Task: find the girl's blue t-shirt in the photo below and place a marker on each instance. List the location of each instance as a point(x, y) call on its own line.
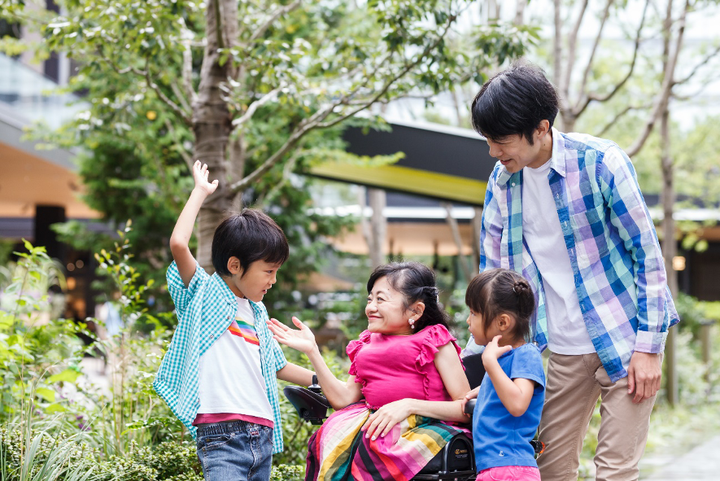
point(501, 439)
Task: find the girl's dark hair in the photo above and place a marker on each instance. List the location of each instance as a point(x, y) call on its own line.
point(416, 282)
point(502, 291)
point(514, 102)
point(250, 236)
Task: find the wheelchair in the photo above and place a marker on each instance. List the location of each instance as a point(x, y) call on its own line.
point(456, 461)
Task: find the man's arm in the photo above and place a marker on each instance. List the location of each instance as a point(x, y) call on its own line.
point(629, 215)
point(491, 227)
point(180, 238)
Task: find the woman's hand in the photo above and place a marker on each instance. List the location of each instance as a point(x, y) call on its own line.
point(200, 174)
point(301, 339)
point(381, 422)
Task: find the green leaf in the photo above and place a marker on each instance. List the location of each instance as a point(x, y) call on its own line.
point(68, 375)
point(55, 408)
point(45, 393)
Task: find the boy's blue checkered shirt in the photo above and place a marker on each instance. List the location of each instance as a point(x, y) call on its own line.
point(204, 310)
point(611, 240)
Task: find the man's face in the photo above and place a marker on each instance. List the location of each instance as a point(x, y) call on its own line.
point(515, 152)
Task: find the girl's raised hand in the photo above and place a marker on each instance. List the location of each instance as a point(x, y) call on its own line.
point(200, 174)
point(301, 339)
point(493, 350)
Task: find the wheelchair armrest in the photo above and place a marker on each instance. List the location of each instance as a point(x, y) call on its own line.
point(310, 406)
point(469, 408)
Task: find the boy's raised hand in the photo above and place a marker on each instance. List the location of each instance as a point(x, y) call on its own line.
point(301, 339)
point(200, 174)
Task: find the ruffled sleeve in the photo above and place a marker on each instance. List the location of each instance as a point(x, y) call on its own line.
point(354, 347)
point(435, 337)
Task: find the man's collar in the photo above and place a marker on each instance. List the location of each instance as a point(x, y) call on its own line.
point(557, 161)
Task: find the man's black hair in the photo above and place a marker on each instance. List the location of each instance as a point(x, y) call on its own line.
point(250, 236)
point(514, 102)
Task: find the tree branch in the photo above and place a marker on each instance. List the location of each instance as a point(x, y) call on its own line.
point(572, 46)
point(604, 98)
point(178, 110)
point(699, 66)
point(593, 51)
point(619, 115)
point(255, 105)
point(274, 16)
point(666, 89)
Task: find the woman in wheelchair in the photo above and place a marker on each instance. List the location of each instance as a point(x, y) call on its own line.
point(510, 399)
point(405, 374)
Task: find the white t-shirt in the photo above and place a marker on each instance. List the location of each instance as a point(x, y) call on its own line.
point(230, 378)
point(567, 333)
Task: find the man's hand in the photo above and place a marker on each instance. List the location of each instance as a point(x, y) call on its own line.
point(644, 376)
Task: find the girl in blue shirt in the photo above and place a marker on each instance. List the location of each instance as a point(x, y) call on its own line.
point(510, 398)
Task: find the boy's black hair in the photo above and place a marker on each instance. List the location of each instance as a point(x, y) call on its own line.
point(416, 282)
point(514, 102)
point(502, 291)
point(250, 236)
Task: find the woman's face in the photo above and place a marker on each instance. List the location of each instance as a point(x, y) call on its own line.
point(386, 310)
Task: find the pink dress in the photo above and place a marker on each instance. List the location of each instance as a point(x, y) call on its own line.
point(389, 368)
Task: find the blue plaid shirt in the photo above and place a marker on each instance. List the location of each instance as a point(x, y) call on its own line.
point(205, 309)
point(614, 251)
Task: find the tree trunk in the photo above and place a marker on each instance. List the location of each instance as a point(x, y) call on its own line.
point(455, 230)
point(211, 121)
point(669, 244)
point(476, 228)
point(378, 226)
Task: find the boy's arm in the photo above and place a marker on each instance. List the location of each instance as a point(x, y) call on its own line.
point(180, 238)
point(296, 374)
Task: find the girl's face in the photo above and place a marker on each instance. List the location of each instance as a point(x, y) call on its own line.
point(386, 311)
point(477, 329)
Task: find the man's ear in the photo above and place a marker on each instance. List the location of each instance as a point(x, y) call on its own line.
point(542, 128)
point(233, 265)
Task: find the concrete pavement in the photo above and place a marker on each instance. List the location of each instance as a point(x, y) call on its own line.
point(702, 463)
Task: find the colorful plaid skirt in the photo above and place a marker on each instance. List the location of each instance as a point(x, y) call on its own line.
point(339, 450)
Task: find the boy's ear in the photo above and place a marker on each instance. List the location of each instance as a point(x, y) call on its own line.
point(233, 265)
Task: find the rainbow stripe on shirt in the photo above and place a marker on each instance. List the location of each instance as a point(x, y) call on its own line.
point(245, 330)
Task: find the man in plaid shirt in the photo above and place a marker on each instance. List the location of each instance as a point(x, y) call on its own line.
point(565, 210)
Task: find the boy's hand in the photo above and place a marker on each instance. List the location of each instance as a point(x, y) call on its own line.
point(301, 339)
point(493, 350)
point(200, 174)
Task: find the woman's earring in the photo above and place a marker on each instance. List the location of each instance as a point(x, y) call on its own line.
point(411, 321)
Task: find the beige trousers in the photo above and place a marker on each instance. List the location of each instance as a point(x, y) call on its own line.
point(574, 384)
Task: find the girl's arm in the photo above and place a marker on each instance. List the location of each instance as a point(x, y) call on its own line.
point(515, 394)
point(451, 371)
point(339, 394)
point(180, 238)
point(295, 374)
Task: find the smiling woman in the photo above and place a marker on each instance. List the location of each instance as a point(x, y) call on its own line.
point(388, 419)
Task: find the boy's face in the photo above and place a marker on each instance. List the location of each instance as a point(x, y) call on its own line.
point(256, 282)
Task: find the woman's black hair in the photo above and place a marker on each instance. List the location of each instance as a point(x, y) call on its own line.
point(416, 282)
point(502, 291)
point(514, 102)
point(250, 236)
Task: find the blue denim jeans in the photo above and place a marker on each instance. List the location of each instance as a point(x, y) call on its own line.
point(235, 450)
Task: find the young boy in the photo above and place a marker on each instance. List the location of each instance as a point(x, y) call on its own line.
point(218, 376)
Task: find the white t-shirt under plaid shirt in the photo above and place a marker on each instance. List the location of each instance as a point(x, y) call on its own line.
point(205, 309)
